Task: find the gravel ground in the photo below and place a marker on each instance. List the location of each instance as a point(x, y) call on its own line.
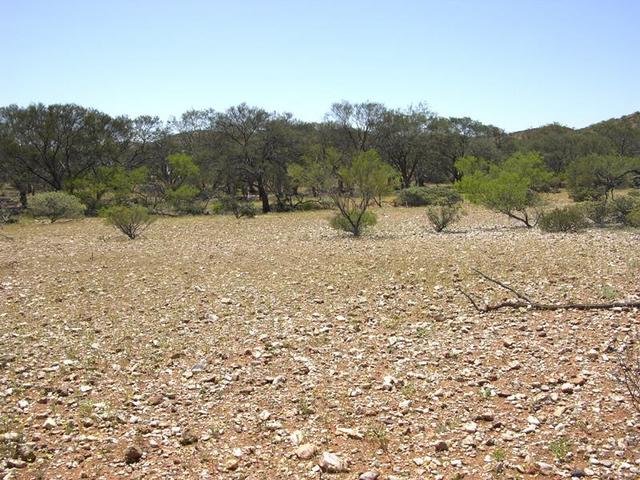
point(277, 348)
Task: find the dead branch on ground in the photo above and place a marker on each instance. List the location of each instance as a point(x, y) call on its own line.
point(524, 301)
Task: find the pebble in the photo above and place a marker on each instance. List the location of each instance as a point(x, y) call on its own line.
point(332, 463)
point(132, 454)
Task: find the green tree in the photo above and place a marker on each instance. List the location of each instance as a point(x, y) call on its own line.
point(510, 188)
point(104, 185)
point(595, 177)
point(367, 178)
point(401, 139)
point(181, 175)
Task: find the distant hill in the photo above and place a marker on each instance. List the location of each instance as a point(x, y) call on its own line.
point(633, 119)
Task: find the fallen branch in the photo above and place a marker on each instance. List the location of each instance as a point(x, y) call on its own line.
point(526, 302)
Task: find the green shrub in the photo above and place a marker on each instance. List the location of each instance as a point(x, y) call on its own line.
point(228, 204)
point(245, 209)
point(426, 196)
point(7, 216)
point(565, 219)
point(633, 217)
point(586, 194)
point(354, 221)
point(184, 199)
point(309, 205)
point(131, 221)
point(598, 212)
point(441, 216)
point(621, 207)
point(56, 205)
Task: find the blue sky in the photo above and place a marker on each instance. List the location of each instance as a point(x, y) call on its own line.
point(515, 64)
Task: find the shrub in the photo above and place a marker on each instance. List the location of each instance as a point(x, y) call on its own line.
point(131, 221)
point(309, 205)
point(441, 216)
point(184, 198)
point(366, 180)
point(633, 218)
point(228, 204)
point(566, 219)
point(510, 188)
point(354, 221)
point(245, 209)
point(426, 196)
point(6, 216)
point(597, 212)
point(56, 205)
point(621, 208)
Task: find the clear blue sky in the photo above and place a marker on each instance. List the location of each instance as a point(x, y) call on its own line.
point(513, 63)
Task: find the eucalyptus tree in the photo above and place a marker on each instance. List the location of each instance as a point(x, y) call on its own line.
point(356, 124)
point(401, 139)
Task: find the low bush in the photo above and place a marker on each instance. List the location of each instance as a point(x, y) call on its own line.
point(426, 196)
point(598, 212)
point(354, 221)
point(309, 205)
point(130, 220)
point(245, 209)
point(228, 204)
point(565, 219)
point(621, 208)
point(633, 217)
point(56, 205)
point(442, 216)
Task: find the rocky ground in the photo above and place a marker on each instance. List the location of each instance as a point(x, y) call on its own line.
point(277, 348)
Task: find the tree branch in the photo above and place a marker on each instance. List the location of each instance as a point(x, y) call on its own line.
point(526, 302)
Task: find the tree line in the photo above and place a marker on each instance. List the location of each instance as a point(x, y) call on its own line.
point(245, 151)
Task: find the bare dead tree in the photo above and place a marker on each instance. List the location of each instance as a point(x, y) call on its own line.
point(523, 301)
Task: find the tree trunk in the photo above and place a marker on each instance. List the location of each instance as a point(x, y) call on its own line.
point(264, 197)
point(23, 198)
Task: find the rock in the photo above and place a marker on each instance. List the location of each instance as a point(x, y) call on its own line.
point(264, 415)
point(567, 388)
point(132, 454)
point(441, 446)
point(155, 400)
point(25, 453)
point(577, 473)
point(389, 382)
point(371, 475)
point(16, 463)
point(188, 438)
point(11, 437)
point(484, 417)
point(545, 468)
point(232, 464)
point(296, 438)
point(350, 432)
point(49, 423)
point(87, 422)
point(470, 427)
point(306, 451)
point(332, 463)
